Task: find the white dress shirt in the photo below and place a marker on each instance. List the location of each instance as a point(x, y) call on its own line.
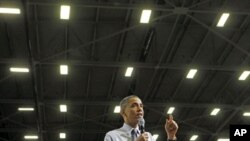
point(123, 134)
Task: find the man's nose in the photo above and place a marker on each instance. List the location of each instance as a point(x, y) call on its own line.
point(140, 108)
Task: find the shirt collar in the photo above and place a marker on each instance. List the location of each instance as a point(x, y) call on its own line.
point(128, 128)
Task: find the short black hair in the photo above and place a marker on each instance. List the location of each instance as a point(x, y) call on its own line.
point(124, 102)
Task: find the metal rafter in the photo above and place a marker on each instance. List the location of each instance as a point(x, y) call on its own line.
point(123, 6)
point(180, 82)
point(169, 58)
point(37, 39)
point(65, 80)
point(162, 57)
point(196, 96)
point(12, 54)
point(169, 3)
point(103, 38)
point(199, 3)
point(117, 58)
point(144, 65)
point(92, 53)
point(227, 120)
point(230, 80)
point(243, 50)
point(102, 102)
point(195, 56)
point(245, 60)
point(204, 83)
point(33, 73)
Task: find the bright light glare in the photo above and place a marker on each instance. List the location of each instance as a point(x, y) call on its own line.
point(117, 109)
point(62, 135)
point(63, 108)
point(244, 75)
point(25, 109)
point(22, 70)
point(145, 16)
point(194, 137)
point(63, 69)
point(191, 73)
point(10, 10)
point(223, 139)
point(223, 19)
point(170, 110)
point(246, 114)
point(65, 11)
point(129, 71)
point(30, 137)
point(215, 111)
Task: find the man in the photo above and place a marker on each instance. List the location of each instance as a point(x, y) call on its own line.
point(132, 111)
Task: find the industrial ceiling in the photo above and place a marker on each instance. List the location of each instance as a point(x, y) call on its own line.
point(98, 42)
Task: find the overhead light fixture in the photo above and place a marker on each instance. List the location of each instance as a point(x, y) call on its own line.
point(145, 16)
point(21, 70)
point(244, 75)
point(246, 114)
point(63, 108)
point(129, 72)
point(170, 110)
point(215, 111)
point(117, 109)
point(62, 135)
point(25, 109)
point(30, 137)
point(10, 10)
point(65, 12)
point(223, 139)
point(155, 136)
point(194, 137)
point(191, 73)
point(64, 69)
point(223, 19)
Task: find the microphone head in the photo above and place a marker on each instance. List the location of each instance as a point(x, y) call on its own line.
point(141, 122)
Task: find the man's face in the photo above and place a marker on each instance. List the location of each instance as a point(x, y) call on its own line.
point(133, 111)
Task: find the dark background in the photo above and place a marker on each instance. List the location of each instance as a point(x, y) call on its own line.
point(99, 41)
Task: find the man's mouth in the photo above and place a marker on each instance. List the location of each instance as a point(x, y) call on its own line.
point(139, 115)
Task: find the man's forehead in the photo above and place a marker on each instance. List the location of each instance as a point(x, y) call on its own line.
point(135, 100)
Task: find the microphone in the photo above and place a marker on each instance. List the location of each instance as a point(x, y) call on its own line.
point(141, 124)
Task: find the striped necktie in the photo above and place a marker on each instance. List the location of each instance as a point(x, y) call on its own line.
point(133, 134)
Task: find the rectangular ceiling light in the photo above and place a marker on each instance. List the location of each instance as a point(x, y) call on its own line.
point(30, 137)
point(244, 75)
point(246, 114)
point(10, 10)
point(194, 137)
point(222, 139)
point(145, 16)
point(155, 136)
point(223, 19)
point(62, 135)
point(191, 73)
point(129, 72)
point(170, 110)
point(64, 69)
point(25, 109)
point(21, 70)
point(65, 12)
point(117, 109)
point(63, 108)
point(215, 112)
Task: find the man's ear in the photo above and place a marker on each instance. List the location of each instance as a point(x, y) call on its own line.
point(123, 113)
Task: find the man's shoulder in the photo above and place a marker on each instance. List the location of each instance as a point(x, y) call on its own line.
point(116, 131)
point(116, 135)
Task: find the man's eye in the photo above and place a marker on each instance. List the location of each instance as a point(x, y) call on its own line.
point(132, 106)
